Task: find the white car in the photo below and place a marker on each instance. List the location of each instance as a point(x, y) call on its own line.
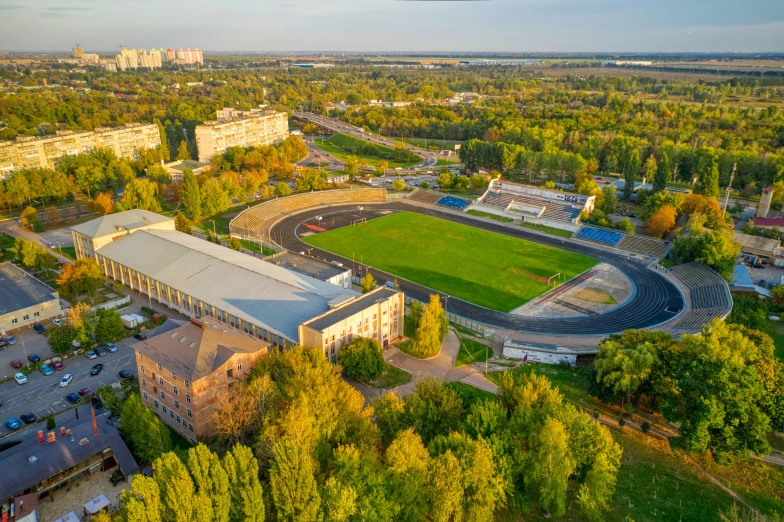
point(57, 322)
point(20, 378)
point(66, 380)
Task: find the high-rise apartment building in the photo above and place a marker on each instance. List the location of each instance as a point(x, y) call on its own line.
point(190, 56)
point(240, 128)
point(171, 55)
point(28, 152)
point(133, 59)
point(78, 52)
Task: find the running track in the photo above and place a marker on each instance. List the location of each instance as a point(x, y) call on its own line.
point(655, 301)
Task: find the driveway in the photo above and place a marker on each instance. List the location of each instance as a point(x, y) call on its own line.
point(59, 236)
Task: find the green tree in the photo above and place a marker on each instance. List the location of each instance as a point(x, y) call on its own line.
point(211, 480)
point(709, 172)
point(140, 193)
point(191, 195)
point(142, 502)
point(282, 189)
point(108, 327)
point(182, 223)
point(293, 483)
point(351, 165)
point(431, 329)
point(362, 358)
point(164, 145)
point(182, 151)
point(610, 199)
point(408, 465)
point(433, 409)
point(234, 244)
point(551, 466)
point(242, 468)
point(310, 179)
point(28, 217)
point(383, 166)
point(649, 169)
point(663, 173)
point(624, 369)
point(631, 166)
point(399, 185)
point(214, 199)
point(147, 435)
point(60, 338)
point(179, 499)
point(368, 283)
point(339, 500)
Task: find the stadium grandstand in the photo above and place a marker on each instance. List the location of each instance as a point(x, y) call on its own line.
point(453, 202)
point(249, 222)
point(643, 245)
point(710, 296)
point(598, 235)
point(425, 196)
point(535, 204)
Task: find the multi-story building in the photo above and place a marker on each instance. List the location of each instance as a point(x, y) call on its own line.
point(31, 152)
point(170, 55)
point(183, 372)
point(92, 235)
point(25, 300)
point(190, 56)
point(263, 128)
point(133, 59)
point(334, 273)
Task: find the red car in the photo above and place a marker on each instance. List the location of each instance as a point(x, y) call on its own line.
point(16, 363)
point(57, 365)
point(86, 391)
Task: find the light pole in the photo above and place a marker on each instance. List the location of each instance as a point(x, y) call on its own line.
point(360, 211)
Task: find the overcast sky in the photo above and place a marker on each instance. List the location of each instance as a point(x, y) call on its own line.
point(395, 25)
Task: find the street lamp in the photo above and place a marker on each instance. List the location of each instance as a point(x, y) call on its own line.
point(360, 211)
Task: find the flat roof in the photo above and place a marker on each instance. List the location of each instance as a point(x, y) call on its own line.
point(244, 286)
point(309, 266)
point(757, 242)
point(337, 315)
point(20, 290)
point(111, 223)
point(50, 459)
point(768, 222)
point(184, 164)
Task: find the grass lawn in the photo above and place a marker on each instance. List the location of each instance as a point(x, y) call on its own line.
point(221, 223)
point(6, 241)
point(479, 213)
point(549, 230)
point(69, 252)
point(472, 351)
point(391, 377)
point(492, 270)
point(432, 145)
point(341, 145)
point(776, 332)
point(446, 163)
point(470, 394)
point(254, 247)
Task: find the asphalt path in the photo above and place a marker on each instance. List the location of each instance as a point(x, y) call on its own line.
point(42, 394)
point(656, 300)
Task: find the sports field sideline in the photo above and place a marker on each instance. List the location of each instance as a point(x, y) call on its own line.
point(485, 268)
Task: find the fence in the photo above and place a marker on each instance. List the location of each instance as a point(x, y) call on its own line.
point(114, 303)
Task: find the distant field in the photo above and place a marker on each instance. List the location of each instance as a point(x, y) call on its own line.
point(342, 145)
point(492, 270)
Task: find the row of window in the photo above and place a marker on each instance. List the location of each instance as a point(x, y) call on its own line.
point(163, 395)
point(172, 415)
point(25, 317)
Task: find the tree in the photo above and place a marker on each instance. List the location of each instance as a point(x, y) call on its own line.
point(234, 244)
point(310, 179)
point(28, 217)
point(142, 502)
point(83, 277)
point(363, 358)
point(60, 338)
point(242, 468)
point(108, 327)
point(182, 151)
point(146, 434)
point(408, 465)
point(715, 248)
point(383, 166)
point(293, 483)
point(191, 195)
point(433, 409)
point(240, 412)
point(661, 222)
point(663, 173)
point(399, 185)
point(179, 498)
point(368, 283)
point(140, 193)
point(211, 481)
point(282, 189)
point(424, 185)
point(214, 199)
point(624, 369)
point(610, 199)
point(27, 252)
point(649, 169)
point(103, 204)
point(351, 165)
point(709, 172)
point(164, 144)
point(431, 329)
point(182, 223)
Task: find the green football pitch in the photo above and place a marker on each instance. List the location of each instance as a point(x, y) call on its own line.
point(488, 269)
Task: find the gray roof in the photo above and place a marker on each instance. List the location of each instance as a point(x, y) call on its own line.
point(354, 307)
point(19, 473)
point(20, 290)
point(309, 266)
point(244, 286)
point(111, 223)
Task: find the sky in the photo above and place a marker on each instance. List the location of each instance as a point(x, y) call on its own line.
point(395, 25)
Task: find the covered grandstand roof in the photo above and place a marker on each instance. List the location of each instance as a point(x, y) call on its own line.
point(244, 286)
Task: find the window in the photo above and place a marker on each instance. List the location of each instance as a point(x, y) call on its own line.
point(177, 404)
point(239, 367)
point(190, 427)
point(174, 377)
point(160, 381)
point(190, 414)
point(36, 314)
point(141, 355)
point(188, 399)
point(171, 413)
point(141, 369)
point(13, 321)
point(145, 395)
point(178, 419)
point(156, 403)
point(144, 382)
point(26, 317)
point(159, 366)
point(164, 409)
point(175, 390)
point(187, 384)
point(163, 396)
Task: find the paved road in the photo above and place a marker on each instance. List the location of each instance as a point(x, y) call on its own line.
point(656, 300)
point(42, 394)
point(13, 229)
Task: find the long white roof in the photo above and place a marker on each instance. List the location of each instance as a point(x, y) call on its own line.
point(111, 223)
point(244, 286)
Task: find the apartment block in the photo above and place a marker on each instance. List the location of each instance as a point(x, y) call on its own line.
point(185, 371)
point(190, 56)
point(254, 129)
point(28, 152)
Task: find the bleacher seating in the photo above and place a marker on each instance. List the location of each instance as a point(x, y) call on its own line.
point(647, 246)
point(249, 221)
point(533, 206)
point(453, 202)
point(710, 295)
point(425, 196)
point(597, 235)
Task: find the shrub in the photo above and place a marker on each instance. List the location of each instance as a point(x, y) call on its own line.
point(50, 423)
point(646, 427)
point(362, 359)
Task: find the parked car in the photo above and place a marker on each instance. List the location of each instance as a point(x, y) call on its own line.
point(33, 358)
point(13, 424)
point(111, 347)
point(772, 286)
point(20, 378)
point(86, 391)
point(762, 282)
point(73, 398)
point(140, 335)
point(11, 340)
point(57, 322)
point(96, 402)
point(95, 370)
point(29, 418)
point(39, 328)
point(125, 374)
point(3, 343)
point(46, 369)
point(66, 380)
point(90, 354)
point(58, 365)
point(101, 352)
point(16, 363)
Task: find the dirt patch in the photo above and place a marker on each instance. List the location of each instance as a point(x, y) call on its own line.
point(535, 277)
point(452, 236)
point(596, 295)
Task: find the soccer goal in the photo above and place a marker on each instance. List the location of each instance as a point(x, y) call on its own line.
point(554, 279)
point(360, 221)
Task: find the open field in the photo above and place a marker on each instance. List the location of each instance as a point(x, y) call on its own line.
point(488, 269)
point(341, 145)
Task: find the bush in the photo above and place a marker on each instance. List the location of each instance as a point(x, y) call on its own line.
point(362, 359)
point(646, 427)
point(50, 423)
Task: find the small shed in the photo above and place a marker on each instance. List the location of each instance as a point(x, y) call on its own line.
point(95, 505)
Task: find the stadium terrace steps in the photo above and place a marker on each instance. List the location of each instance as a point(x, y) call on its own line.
point(647, 246)
point(598, 235)
point(710, 295)
point(454, 202)
point(552, 209)
point(425, 196)
point(249, 221)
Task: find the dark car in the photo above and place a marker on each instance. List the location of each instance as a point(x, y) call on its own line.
point(3, 343)
point(13, 424)
point(86, 391)
point(57, 365)
point(125, 374)
point(16, 363)
point(95, 370)
point(101, 352)
point(96, 402)
point(140, 335)
point(39, 328)
point(29, 418)
point(33, 358)
point(73, 398)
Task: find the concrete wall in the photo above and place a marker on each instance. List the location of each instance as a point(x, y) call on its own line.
point(46, 311)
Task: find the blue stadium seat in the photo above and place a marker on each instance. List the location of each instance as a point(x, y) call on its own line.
point(600, 236)
point(453, 202)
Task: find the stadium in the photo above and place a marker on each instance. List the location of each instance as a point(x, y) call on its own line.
point(488, 271)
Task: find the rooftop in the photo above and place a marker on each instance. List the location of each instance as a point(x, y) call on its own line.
point(181, 165)
point(768, 222)
point(337, 315)
point(242, 285)
point(757, 242)
point(20, 290)
point(309, 266)
point(19, 473)
point(193, 352)
point(111, 223)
